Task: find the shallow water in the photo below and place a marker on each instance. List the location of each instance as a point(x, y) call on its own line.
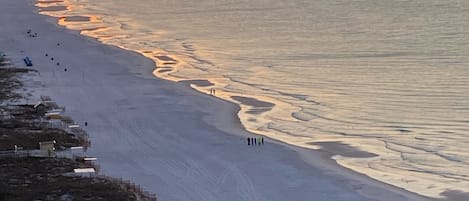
point(388, 77)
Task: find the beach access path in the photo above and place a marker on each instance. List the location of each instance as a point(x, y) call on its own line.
point(168, 138)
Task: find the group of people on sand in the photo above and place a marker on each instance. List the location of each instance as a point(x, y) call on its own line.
point(52, 59)
point(212, 91)
point(255, 141)
point(30, 33)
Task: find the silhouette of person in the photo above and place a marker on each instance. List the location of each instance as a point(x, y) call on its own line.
point(254, 141)
point(249, 141)
point(262, 140)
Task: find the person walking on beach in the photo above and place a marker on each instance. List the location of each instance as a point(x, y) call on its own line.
point(259, 141)
point(212, 91)
point(249, 141)
point(262, 140)
point(254, 143)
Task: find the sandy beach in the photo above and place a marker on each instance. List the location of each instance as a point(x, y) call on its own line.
point(173, 141)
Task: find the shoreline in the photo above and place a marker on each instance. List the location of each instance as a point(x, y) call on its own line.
point(302, 152)
point(221, 122)
point(389, 167)
point(256, 112)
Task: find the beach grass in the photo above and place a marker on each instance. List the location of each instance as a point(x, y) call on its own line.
point(9, 81)
point(22, 126)
point(31, 178)
point(46, 178)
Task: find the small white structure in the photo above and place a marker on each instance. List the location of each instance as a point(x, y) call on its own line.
point(38, 104)
point(90, 159)
point(59, 110)
point(48, 146)
point(48, 102)
point(84, 170)
point(17, 148)
point(53, 115)
point(40, 108)
point(77, 151)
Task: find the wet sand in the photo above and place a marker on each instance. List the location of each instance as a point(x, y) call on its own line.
point(338, 148)
point(76, 19)
point(53, 8)
point(199, 83)
point(258, 106)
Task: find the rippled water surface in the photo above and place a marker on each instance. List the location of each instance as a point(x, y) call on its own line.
point(387, 77)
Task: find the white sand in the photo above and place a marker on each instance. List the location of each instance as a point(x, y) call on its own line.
point(164, 136)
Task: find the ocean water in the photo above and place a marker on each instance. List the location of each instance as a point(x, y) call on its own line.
point(389, 77)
